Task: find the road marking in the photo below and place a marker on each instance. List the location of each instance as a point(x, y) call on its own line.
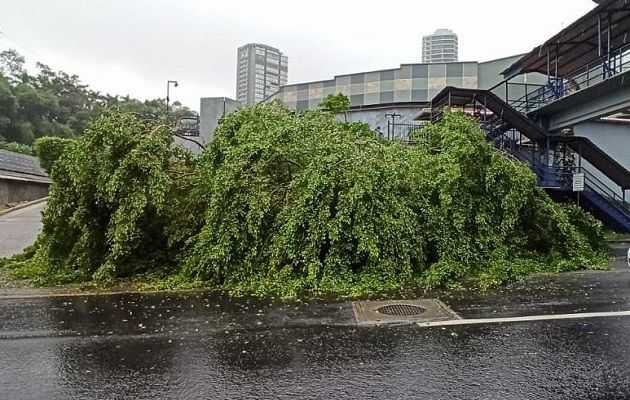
point(530, 318)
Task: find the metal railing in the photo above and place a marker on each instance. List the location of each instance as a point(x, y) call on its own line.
point(616, 62)
point(564, 175)
point(561, 177)
point(602, 189)
point(437, 108)
point(407, 132)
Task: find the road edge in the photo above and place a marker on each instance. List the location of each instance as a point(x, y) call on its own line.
point(23, 205)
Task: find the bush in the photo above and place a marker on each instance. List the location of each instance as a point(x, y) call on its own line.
point(17, 147)
point(49, 149)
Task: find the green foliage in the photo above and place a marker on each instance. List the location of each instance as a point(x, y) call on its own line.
point(18, 148)
point(57, 104)
point(336, 103)
point(12, 65)
point(49, 149)
point(290, 202)
point(302, 198)
point(108, 204)
point(299, 202)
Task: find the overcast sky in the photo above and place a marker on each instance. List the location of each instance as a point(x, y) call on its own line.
point(134, 46)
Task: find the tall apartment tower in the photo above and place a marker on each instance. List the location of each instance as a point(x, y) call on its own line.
point(260, 71)
point(439, 47)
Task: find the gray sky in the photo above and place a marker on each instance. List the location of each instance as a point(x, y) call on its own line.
point(134, 46)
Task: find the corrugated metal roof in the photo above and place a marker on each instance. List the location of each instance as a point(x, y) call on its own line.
point(21, 164)
point(578, 44)
point(17, 176)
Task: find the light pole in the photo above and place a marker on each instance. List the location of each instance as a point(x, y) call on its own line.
point(393, 125)
point(168, 87)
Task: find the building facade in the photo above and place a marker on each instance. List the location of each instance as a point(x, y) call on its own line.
point(376, 97)
point(261, 70)
point(440, 47)
point(410, 83)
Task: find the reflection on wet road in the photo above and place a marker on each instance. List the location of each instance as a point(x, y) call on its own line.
point(199, 346)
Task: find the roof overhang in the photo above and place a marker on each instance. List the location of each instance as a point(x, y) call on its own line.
point(579, 43)
point(22, 177)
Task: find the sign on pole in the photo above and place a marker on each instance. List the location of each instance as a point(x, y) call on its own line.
point(578, 182)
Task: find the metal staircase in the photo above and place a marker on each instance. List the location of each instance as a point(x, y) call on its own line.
point(515, 133)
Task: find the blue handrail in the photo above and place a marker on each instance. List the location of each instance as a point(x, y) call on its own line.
point(562, 176)
point(588, 75)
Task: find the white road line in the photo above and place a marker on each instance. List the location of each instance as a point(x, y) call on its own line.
point(530, 318)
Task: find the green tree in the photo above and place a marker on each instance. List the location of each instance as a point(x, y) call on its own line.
point(55, 103)
point(297, 202)
point(8, 108)
point(12, 66)
point(17, 147)
point(110, 187)
point(337, 104)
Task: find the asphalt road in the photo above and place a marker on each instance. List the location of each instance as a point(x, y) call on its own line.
point(19, 228)
point(204, 346)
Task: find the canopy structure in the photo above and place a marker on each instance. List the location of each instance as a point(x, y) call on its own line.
point(595, 36)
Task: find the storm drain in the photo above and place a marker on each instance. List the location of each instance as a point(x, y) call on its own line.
point(370, 313)
point(401, 310)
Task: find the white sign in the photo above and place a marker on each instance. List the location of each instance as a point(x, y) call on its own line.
point(578, 182)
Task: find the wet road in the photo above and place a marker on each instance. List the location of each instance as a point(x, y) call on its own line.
point(19, 228)
point(203, 346)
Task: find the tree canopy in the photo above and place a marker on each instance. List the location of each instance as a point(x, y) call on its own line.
point(58, 104)
point(290, 202)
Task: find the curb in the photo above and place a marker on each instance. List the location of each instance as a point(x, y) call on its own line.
point(23, 205)
point(32, 294)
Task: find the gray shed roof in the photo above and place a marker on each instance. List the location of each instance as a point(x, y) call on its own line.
point(20, 165)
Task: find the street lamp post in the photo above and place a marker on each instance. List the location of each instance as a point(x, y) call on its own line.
point(168, 87)
point(392, 123)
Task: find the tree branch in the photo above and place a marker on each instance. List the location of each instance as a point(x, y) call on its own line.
point(190, 140)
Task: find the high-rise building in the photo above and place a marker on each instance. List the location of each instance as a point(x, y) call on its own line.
point(261, 70)
point(439, 47)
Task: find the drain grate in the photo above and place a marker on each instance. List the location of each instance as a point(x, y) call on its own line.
point(402, 310)
point(370, 313)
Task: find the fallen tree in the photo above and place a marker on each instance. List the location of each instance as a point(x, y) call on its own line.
point(289, 202)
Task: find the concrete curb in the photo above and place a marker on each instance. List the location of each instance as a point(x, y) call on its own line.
point(23, 205)
point(618, 241)
point(31, 293)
